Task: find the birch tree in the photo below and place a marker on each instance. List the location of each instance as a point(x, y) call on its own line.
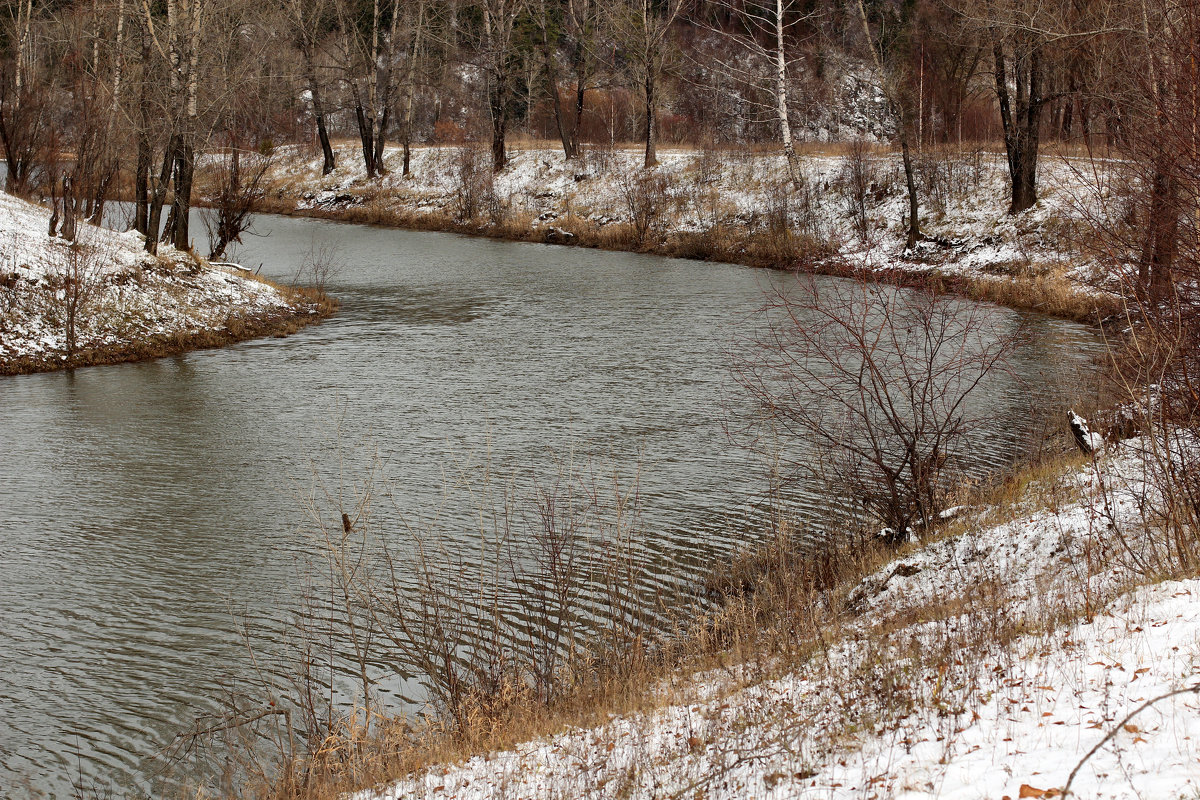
point(764, 28)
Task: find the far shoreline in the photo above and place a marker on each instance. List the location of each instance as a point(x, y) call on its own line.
point(388, 201)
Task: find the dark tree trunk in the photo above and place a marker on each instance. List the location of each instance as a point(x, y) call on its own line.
point(560, 118)
point(1162, 233)
point(408, 115)
point(651, 127)
point(578, 124)
point(366, 135)
point(1020, 117)
point(498, 100)
point(185, 169)
point(326, 148)
point(910, 179)
point(318, 111)
point(159, 195)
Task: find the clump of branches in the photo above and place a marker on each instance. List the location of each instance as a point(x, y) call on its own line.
point(881, 386)
point(647, 197)
point(239, 193)
point(473, 184)
point(860, 188)
point(320, 264)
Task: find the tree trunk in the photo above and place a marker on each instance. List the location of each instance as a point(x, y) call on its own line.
point(580, 90)
point(1162, 233)
point(185, 168)
point(159, 195)
point(141, 186)
point(914, 223)
point(781, 103)
point(560, 119)
point(366, 137)
point(1021, 123)
point(330, 162)
point(498, 100)
point(651, 127)
point(381, 139)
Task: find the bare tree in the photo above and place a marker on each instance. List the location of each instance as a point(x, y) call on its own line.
point(763, 30)
point(24, 107)
point(307, 19)
point(496, 50)
point(883, 383)
point(416, 44)
point(569, 27)
point(368, 38)
point(642, 27)
point(238, 196)
point(75, 283)
point(890, 47)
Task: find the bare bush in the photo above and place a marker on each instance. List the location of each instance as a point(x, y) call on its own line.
point(473, 185)
point(75, 285)
point(647, 197)
point(881, 383)
point(859, 188)
point(497, 611)
point(322, 263)
point(1145, 230)
point(948, 175)
point(239, 194)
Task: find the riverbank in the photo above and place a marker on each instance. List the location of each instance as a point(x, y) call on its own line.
point(1043, 637)
point(103, 300)
point(846, 217)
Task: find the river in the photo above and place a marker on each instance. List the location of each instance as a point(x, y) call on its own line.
point(144, 507)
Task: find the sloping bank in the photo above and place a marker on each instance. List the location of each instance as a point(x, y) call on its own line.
point(103, 300)
point(1036, 647)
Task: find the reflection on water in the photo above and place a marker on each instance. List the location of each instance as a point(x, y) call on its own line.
point(142, 505)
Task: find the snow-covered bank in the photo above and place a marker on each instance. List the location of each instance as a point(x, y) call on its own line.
point(986, 664)
point(847, 215)
point(120, 303)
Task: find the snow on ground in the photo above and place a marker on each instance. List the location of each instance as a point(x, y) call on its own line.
point(984, 665)
point(124, 295)
point(964, 200)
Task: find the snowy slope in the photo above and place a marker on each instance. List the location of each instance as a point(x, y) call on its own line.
point(985, 665)
point(129, 296)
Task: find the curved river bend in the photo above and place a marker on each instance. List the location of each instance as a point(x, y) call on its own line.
point(143, 505)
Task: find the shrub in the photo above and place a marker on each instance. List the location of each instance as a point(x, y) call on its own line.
point(875, 382)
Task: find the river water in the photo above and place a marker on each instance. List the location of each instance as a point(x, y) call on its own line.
point(146, 507)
